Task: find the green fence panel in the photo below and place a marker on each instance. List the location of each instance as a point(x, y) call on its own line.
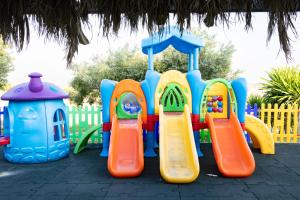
point(83, 118)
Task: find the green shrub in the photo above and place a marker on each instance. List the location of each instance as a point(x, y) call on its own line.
point(282, 86)
point(255, 99)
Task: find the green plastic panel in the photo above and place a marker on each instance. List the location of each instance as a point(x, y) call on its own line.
point(82, 142)
point(173, 98)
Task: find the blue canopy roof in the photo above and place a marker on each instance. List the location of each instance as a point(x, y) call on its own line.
point(184, 42)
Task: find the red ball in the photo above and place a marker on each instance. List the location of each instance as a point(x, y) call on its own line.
point(220, 98)
point(215, 109)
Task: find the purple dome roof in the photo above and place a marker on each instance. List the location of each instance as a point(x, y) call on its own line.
point(34, 90)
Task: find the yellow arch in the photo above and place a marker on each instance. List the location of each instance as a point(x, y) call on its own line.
point(172, 76)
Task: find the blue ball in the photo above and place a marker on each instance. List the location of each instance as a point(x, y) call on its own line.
point(220, 104)
point(209, 109)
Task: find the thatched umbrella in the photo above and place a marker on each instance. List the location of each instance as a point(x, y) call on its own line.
point(62, 20)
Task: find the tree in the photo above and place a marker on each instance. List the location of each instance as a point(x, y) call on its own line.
point(282, 86)
point(126, 63)
point(5, 64)
point(121, 64)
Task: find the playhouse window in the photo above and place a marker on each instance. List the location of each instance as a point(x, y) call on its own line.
point(60, 128)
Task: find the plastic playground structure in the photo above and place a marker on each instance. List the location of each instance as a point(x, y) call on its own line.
point(182, 104)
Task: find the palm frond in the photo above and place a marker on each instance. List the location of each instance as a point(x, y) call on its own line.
point(62, 20)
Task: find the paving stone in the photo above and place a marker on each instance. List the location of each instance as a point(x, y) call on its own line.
point(281, 149)
point(260, 176)
point(229, 191)
point(289, 160)
point(14, 197)
point(143, 190)
point(48, 197)
point(85, 176)
point(262, 191)
point(58, 189)
point(142, 198)
point(92, 189)
point(283, 175)
point(84, 197)
point(294, 190)
point(296, 170)
point(262, 160)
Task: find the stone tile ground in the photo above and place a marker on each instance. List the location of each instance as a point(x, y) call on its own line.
point(85, 177)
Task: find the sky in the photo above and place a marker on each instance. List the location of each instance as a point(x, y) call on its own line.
point(252, 54)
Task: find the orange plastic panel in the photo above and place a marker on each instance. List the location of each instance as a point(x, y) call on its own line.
point(126, 150)
point(232, 153)
point(134, 87)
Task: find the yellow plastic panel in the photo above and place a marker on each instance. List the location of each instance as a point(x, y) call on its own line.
point(260, 134)
point(177, 150)
point(218, 90)
point(172, 76)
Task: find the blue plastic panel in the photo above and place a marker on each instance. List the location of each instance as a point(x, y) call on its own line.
point(197, 87)
point(149, 87)
point(28, 135)
point(240, 89)
point(185, 42)
point(106, 89)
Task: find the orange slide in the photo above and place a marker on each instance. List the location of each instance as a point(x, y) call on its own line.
point(126, 151)
point(232, 153)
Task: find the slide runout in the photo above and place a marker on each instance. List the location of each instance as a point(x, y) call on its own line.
point(126, 151)
point(178, 157)
point(260, 134)
point(232, 153)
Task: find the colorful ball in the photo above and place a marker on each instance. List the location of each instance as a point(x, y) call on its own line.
point(220, 110)
point(220, 104)
point(215, 109)
point(209, 109)
point(209, 103)
point(215, 98)
point(220, 98)
point(215, 104)
point(209, 98)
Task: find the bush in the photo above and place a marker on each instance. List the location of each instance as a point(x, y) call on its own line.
point(282, 86)
point(255, 99)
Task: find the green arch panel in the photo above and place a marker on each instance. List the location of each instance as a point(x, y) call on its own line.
point(173, 98)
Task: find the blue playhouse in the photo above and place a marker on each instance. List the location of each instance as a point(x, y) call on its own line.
point(35, 122)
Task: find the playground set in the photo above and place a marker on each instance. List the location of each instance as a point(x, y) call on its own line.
point(165, 110)
point(180, 105)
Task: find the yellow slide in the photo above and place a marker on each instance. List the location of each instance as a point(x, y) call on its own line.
point(177, 151)
point(260, 134)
